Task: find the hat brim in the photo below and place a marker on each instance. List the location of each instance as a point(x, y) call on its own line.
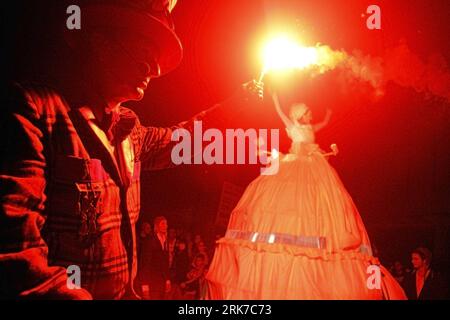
point(110, 16)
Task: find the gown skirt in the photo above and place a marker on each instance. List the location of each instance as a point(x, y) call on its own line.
point(298, 235)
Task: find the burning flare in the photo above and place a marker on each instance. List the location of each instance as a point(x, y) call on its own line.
point(284, 53)
point(398, 65)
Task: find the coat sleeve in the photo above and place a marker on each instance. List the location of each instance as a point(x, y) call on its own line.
point(158, 143)
point(23, 253)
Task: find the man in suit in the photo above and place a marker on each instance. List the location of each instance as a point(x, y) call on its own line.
point(71, 154)
point(424, 283)
point(153, 271)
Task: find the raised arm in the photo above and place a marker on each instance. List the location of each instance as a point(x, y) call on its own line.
point(324, 123)
point(287, 122)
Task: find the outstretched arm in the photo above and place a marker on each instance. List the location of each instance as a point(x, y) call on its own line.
point(324, 123)
point(287, 122)
point(156, 144)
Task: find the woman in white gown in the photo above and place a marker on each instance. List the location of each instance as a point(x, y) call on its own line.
point(297, 234)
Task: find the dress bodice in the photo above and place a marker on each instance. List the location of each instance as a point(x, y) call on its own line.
point(300, 135)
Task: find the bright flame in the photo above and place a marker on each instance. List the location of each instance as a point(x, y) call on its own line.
point(398, 65)
point(283, 53)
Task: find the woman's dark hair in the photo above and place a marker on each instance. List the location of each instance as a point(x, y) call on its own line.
point(424, 253)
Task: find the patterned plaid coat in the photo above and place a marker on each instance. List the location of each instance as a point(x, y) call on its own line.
point(63, 200)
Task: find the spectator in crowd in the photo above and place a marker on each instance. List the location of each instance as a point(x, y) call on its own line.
point(192, 245)
point(195, 279)
point(197, 239)
point(144, 236)
point(172, 240)
point(398, 271)
point(146, 230)
point(424, 283)
point(171, 247)
point(181, 263)
point(154, 266)
point(201, 248)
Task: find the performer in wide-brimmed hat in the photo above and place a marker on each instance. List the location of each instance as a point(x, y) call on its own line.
point(71, 154)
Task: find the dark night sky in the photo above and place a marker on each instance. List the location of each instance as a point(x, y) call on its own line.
point(394, 156)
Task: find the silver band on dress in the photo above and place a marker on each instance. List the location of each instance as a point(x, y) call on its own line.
point(271, 238)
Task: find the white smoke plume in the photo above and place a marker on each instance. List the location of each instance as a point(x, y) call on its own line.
point(398, 65)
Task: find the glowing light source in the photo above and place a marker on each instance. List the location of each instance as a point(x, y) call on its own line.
point(283, 53)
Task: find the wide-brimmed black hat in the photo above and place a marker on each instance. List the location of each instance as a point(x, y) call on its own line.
point(151, 18)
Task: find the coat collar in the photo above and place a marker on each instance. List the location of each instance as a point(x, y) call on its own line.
point(95, 145)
